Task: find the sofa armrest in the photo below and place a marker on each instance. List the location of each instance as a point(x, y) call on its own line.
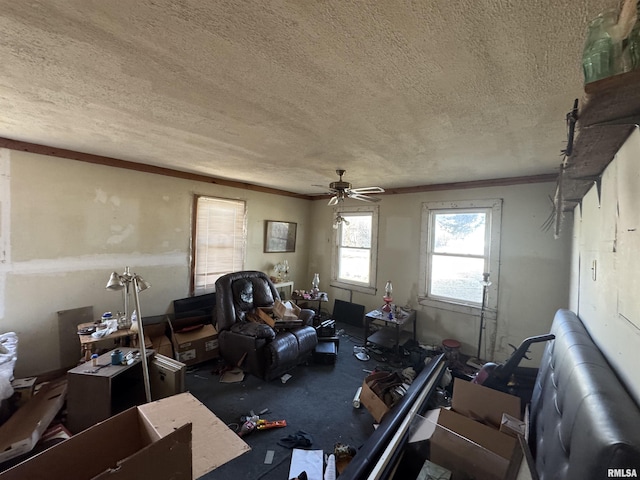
point(306, 315)
point(253, 330)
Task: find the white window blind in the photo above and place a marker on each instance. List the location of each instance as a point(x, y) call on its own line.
point(219, 240)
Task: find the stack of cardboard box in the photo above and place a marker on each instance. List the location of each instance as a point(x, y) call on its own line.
point(470, 439)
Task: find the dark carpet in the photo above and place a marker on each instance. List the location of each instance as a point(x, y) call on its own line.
point(317, 399)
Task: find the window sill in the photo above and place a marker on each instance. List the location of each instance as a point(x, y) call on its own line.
point(353, 287)
point(471, 310)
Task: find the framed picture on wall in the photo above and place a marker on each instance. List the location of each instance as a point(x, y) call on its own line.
point(279, 236)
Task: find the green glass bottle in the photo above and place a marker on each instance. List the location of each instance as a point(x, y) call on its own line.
point(601, 55)
point(634, 43)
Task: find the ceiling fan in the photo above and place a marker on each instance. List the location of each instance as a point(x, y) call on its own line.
point(342, 190)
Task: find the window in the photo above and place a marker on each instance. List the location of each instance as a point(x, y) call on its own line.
point(461, 242)
point(355, 248)
point(218, 242)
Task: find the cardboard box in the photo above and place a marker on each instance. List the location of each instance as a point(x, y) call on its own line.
point(23, 390)
point(374, 404)
point(483, 404)
point(512, 426)
point(466, 439)
point(287, 311)
point(195, 346)
point(281, 315)
point(162, 345)
point(264, 315)
point(174, 438)
point(20, 433)
point(166, 376)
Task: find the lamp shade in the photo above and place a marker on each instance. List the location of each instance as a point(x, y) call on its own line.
point(115, 282)
point(141, 283)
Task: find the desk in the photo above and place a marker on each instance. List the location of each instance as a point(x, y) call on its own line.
point(385, 337)
point(87, 342)
point(282, 285)
point(95, 395)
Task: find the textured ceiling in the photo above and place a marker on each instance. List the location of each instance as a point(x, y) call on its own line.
point(281, 93)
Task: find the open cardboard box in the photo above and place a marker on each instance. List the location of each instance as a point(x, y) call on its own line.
point(174, 438)
point(20, 433)
point(281, 314)
point(287, 311)
point(195, 346)
point(466, 439)
point(374, 404)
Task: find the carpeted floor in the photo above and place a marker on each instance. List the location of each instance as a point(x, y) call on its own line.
point(317, 399)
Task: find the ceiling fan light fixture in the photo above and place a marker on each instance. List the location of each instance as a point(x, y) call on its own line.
point(339, 220)
point(342, 190)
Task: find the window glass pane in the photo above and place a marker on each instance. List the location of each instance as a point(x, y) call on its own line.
point(354, 264)
point(457, 278)
point(358, 232)
point(461, 233)
point(219, 241)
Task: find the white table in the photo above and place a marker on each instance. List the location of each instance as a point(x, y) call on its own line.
point(282, 285)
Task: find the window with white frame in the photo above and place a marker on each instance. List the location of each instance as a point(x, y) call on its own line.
point(461, 243)
point(219, 240)
point(355, 249)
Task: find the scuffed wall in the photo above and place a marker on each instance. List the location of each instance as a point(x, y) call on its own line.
point(606, 265)
point(72, 223)
point(533, 279)
point(69, 224)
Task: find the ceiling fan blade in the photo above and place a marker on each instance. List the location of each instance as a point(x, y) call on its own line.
point(364, 198)
point(333, 201)
point(368, 190)
point(323, 186)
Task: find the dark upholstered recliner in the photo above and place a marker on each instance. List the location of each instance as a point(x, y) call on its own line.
point(267, 353)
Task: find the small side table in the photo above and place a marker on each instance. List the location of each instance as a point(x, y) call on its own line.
point(88, 343)
point(282, 285)
point(321, 298)
point(390, 333)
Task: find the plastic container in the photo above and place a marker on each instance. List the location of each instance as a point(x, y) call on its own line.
point(116, 357)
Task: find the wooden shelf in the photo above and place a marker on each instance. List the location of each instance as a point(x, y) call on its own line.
point(609, 112)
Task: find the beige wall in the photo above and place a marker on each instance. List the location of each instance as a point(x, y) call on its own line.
point(605, 263)
point(66, 225)
point(533, 278)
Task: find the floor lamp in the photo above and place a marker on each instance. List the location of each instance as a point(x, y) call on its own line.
point(476, 362)
point(485, 286)
point(127, 281)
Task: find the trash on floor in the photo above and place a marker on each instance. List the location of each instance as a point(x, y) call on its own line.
point(298, 439)
point(360, 353)
point(311, 462)
point(234, 375)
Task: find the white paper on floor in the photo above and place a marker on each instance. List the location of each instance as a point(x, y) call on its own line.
point(310, 461)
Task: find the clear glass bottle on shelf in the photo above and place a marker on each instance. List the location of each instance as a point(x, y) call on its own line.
point(633, 42)
point(315, 284)
point(602, 56)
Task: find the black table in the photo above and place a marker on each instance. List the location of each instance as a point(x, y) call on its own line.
point(392, 328)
